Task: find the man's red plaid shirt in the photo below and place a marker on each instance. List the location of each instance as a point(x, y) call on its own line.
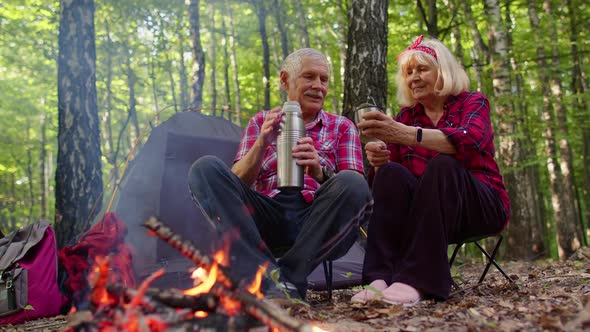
point(335, 138)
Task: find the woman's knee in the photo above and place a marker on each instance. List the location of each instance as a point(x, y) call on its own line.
point(391, 176)
point(442, 164)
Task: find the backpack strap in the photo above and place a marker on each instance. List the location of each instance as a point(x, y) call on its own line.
point(16, 245)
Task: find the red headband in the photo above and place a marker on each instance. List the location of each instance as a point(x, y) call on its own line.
point(416, 46)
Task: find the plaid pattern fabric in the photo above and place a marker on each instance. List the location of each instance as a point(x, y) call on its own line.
point(466, 123)
point(335, 138)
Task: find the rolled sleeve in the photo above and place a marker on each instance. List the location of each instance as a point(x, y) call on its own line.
point(349, 153)
point(249, 135)
point(474, 131)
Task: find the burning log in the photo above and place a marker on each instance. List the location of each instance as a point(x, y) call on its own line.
point(273, 316)
point(207, 302)
point(213, 304)
point(186, 248)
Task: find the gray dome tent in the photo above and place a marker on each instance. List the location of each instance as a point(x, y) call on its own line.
point(155, 184)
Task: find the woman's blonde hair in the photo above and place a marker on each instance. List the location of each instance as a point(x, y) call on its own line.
point(452, 78)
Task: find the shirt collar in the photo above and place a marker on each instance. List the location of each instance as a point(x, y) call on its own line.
point(320, 119)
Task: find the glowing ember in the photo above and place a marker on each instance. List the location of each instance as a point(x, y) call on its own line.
point(201, 314)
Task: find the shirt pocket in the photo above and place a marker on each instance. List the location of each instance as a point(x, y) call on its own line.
point(327, 153)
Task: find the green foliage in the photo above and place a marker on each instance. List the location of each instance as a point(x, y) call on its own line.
point(150, 40)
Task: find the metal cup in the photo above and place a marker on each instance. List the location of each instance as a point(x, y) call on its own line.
point(361, 110)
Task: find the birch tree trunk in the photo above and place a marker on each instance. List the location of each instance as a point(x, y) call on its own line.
point(78, 177)
point(198, 75)
point(234, 63)
point(480, 53)
point(366, 58)
point(300, 10)
point(212, 58)
point(261, 13)
point(569, 226)
point(519, 181)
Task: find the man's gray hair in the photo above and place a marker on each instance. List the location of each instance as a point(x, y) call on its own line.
point(292, 63)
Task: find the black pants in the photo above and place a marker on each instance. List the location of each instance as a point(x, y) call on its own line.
point(415, 219)
point(301, 234)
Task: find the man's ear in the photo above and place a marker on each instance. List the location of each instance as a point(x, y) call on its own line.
point(284, 79)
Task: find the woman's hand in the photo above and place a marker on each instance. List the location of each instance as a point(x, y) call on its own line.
point(308, 157)
point(381, 126)
point(377, 153)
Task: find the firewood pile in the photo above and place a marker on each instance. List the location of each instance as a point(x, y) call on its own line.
point(214, 304)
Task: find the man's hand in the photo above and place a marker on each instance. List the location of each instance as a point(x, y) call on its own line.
point(270, 127)
point(377, 153)
point(307, 156)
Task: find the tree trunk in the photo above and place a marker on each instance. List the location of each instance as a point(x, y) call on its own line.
point(520, 184)
point(261, 13)
point(212, 58)
point(569, 230)
point(78, 177)
point(366, 58)
point(227, 101)
point(300, 10)
point(234, 63)
point(578, 87)
point(108, 96)
point(539, 232)
point(43, 182)
point(430, 18)
point(184, 98)
point(479, 53)
point(198, 76)
point(29, 170)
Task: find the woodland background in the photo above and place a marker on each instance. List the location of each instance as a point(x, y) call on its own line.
point(82, 82)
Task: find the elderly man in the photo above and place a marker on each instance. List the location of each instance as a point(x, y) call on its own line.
point(293, 230)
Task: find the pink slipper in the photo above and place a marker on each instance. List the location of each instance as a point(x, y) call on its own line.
point(400, 293)
point(371, 292)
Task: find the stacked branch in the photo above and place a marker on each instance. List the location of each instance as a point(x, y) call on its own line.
point(271, 315)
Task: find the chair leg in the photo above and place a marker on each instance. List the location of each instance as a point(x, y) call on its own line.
point(491, 260)
point(457, 247)
point(452, 260)
point(328, 275)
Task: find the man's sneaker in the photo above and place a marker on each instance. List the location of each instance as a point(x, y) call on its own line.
point(283, 294)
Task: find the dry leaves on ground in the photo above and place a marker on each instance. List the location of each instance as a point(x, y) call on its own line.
point(549, 296)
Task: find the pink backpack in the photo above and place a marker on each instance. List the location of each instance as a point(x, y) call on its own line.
point(28, 274)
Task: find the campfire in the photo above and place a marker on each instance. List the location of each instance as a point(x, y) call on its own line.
point(213, 304)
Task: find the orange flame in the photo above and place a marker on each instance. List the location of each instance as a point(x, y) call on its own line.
point(254, 287)
point(206, 282)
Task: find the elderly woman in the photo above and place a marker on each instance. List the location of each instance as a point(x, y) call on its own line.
point(434, 178)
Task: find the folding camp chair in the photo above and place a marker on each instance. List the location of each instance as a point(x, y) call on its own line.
point(328, 271)
point(490, 258)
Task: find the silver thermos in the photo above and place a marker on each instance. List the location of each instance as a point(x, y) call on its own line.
point(292, 129)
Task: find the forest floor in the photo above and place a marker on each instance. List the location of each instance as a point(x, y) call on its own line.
point(545, 296)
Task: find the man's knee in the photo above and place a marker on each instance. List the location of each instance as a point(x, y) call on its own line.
point(206, 167)
point(352, 183)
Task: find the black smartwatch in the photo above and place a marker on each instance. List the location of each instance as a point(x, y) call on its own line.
point(327, 173)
